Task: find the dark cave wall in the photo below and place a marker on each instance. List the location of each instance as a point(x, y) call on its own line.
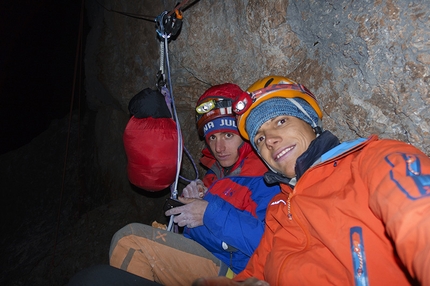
point(366, 61)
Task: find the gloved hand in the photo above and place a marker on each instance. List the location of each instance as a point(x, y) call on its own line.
point(190, 214)
point(224, 281)
point(194, 190)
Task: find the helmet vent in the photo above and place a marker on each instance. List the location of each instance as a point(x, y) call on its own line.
point(269, 82)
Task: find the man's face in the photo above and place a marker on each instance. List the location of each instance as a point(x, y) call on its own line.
point(281, 140)
point(224, 146)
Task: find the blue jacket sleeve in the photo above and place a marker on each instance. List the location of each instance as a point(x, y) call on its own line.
point(237, 228)
point(235, 215)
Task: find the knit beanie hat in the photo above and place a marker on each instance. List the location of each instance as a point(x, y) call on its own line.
point(278, 106)
point(220, 124)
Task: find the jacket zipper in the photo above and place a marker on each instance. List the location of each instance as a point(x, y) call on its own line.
point(290, 215)
point(304, 230)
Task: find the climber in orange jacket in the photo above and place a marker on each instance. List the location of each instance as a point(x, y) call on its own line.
point(351, 213)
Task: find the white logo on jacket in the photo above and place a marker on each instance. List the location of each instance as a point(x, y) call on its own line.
point(278, 202)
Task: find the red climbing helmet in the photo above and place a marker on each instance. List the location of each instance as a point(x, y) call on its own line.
point(216, 102)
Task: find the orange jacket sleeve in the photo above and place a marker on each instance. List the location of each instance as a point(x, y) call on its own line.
point(398, 176)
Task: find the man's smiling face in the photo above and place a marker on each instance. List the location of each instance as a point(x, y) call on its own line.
point(281, 140)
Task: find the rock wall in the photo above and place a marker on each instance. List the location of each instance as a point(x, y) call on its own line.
point(366, 61)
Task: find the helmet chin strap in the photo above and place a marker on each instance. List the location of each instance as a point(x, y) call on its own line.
point(316, 127)
point(281, 177)
point(317, 130)
point(267, 164)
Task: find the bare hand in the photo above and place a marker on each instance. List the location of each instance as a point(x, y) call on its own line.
point(191, 214)
point(194, 190)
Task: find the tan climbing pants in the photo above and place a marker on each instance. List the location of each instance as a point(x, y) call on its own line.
point(162, 256)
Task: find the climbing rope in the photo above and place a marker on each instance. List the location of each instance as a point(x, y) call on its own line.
point(76, 77)
point(168, 25)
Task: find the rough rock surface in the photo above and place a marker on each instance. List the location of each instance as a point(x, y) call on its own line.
point(367, 61)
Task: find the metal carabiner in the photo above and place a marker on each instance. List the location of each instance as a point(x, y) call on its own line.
point(159, 25)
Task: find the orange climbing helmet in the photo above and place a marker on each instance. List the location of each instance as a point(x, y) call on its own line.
point(300, 103)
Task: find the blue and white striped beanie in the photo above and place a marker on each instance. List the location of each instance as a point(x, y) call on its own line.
point(221, 124)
